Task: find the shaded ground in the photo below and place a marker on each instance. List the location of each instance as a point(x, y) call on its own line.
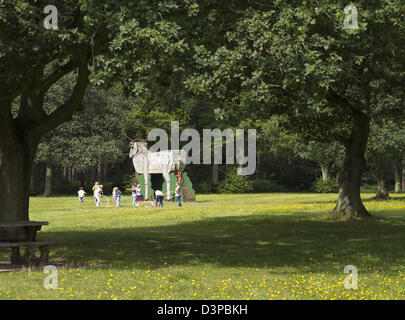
point(241, 241)
point(278, 237)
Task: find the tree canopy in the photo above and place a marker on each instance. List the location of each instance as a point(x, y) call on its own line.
point(238, 61)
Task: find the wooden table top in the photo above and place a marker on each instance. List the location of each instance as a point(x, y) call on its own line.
point(23, 224)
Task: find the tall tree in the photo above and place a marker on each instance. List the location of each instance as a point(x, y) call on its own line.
point(91, 139)
point(385, 149)
point(301, 59)
point(133, 34)
point(326, 154)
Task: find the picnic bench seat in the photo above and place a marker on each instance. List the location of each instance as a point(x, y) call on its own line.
point(29, 256)
point(26, 240)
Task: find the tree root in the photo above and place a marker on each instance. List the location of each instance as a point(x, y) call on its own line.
point(381, 196)
point(348, 213)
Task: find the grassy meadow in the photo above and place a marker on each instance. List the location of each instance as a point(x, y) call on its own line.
point(254, 246)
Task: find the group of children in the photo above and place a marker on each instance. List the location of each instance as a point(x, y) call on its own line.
point(136, 195)
point(98, 192)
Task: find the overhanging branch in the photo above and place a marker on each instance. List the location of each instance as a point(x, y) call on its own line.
point(58, 74)
point(345, 103)
point(65, 111)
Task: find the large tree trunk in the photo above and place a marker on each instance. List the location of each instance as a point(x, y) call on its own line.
point(105, 172)
point(349, 202)
point(20, 134)
point(382, 192)
point(258, 171)
point(325, 171)
point(48, 182)
point(397, 174)
point(214, 176)
point(99, 171)
point(16, 166)
point(403, 177)
point(15, 177)
point(32, 182)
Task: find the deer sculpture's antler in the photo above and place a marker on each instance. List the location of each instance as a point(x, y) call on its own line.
point(130, 139)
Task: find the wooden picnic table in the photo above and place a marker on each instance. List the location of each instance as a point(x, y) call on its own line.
point(30, 228)
point(27, 239)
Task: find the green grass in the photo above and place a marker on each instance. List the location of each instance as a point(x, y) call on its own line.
point(255, 246)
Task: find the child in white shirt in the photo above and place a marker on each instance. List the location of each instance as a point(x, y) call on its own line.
point(116, 196)
point(159, 198)
point(81, 193)
point(98, 193)
point(178, 193)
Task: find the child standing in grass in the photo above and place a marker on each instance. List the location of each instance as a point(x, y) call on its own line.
point(178, 193)
point(178, 175)
point(81, 194)
point(96, 184)
point(133, 189)
point(138, 194)
point(95, 187)
point(116, 196)
point(98, 192)
point(159, 198)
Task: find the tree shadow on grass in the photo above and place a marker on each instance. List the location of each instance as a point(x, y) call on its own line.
point(243, 241)
point(395, 198)
point(363, 199)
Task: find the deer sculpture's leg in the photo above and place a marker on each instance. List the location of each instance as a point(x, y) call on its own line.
point(168, 186)
point(167, 177)
point(164, 164)
point(146, 176)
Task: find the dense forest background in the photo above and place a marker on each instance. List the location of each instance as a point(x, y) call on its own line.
point(321, 84)
point(89, 148)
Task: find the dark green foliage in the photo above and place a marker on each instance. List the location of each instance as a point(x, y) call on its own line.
point(243, 64)
point(262, 185)
point(69, 188)
point(327, 186)
point(203, 187)
point(234, 183)
point(127, 182)
point(367, 188)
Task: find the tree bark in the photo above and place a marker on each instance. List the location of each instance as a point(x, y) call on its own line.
point(32, 182)
point(48, 182)
point(397, 174)
point(258, 172)
point(94, 175)
point(325, 171)
point(403, 177)
point(349, 202)
point(214, 176)
point(20, 135)
point(99, 171)
point(382, 192)
point(15, 177)
point(17, 161)
point(88, 175)
point(105, 172)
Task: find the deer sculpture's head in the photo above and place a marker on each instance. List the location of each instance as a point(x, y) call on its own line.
point(136, 146)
